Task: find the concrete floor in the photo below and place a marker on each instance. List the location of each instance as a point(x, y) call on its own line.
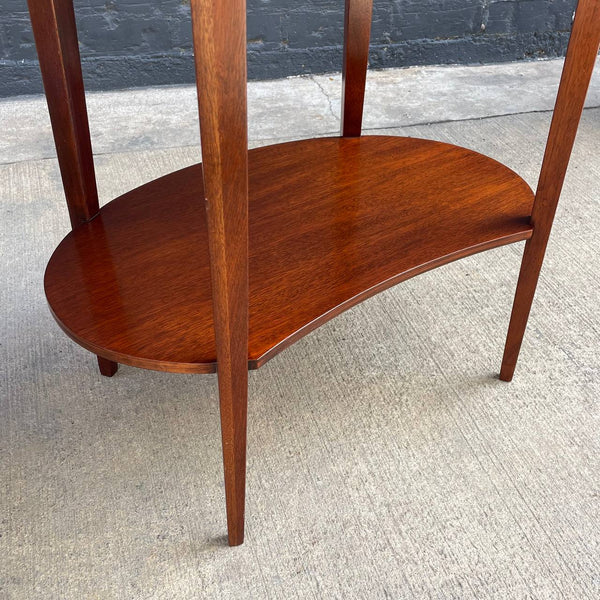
point(385, 458)
point(166, 117)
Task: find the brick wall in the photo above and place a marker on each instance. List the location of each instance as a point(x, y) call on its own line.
point(148, 42)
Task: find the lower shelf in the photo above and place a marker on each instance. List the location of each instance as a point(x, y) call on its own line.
point(332, 222)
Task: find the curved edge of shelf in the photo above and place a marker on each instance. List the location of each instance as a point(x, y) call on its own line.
point(255, 362)
point(260, 361)
point(136, 361)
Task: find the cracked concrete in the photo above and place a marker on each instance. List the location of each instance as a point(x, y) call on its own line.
point(166, 117)
point(336, 114)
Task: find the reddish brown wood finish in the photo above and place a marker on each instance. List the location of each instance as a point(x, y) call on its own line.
point(357, 32)
point(55, 32)
point(219, 30)
point(332, 222)
point(107, 367)
point(577, 72)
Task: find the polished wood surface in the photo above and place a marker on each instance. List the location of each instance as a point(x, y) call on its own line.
point(577, 73)
point(219, 30)
point(107, 367)
point(357, 32)
point(55, 33)
point(332, 222)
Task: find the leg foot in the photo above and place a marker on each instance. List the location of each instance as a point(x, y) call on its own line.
point(526, 286)
point(107, 367)
point(234, 408)
point(507, 372)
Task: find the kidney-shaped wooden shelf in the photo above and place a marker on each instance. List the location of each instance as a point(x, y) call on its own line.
point(332, 222)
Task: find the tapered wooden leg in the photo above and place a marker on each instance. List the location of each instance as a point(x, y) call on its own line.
point(528, 278)
point(357, 32)
point(577, 72)
point(233, 396)
point(107, 367)
point(55, 32)
point(219, 30)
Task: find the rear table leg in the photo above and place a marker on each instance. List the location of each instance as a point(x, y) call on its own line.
point(528, 278)
point(107, 367)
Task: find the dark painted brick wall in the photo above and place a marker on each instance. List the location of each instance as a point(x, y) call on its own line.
point(147, 42)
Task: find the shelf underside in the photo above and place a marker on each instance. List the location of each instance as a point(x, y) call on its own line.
point(332, 222)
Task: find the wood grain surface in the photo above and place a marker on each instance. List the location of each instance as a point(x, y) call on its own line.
point(332, 221)
point(357, 33)
point(55, 32)
point(219, 30)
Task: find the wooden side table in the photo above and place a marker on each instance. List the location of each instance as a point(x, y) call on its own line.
point(289, 235)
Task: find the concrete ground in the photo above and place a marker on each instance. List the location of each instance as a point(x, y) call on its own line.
point(385, 458)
